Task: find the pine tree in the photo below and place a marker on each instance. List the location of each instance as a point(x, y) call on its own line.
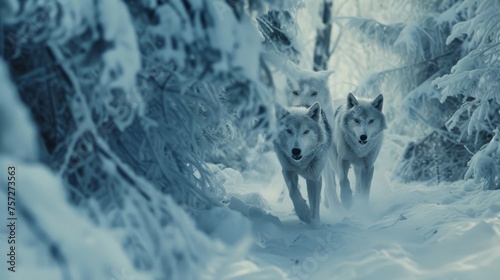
point(443, 49)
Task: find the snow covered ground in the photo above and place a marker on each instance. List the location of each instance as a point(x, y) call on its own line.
point(409, 231)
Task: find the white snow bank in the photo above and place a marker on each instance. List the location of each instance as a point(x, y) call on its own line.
point(17, 131)
point(71, 246)
point(246, 270)
point(225, 225)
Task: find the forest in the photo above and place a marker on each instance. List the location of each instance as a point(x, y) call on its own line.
point(137, 138)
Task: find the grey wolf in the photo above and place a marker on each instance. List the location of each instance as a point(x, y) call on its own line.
point(357, 138)
point(312, 87)
point(303, 139)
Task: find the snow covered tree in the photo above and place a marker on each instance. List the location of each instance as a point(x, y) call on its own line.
point(474, 79)
point(444, 57)
point(130, 107)
point(322, 50)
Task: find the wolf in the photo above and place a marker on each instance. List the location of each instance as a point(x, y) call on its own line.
point(358, 128)
point(304, 136)
point(312, 87)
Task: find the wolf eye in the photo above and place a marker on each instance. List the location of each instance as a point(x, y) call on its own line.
point(289, 131)
point(295, 92)
point(356, 120)
point(314, 93)
point(307, 131)
point(371, 121)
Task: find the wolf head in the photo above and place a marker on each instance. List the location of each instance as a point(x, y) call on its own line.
point(364, 119)
point(300, 131)
point(310, 88)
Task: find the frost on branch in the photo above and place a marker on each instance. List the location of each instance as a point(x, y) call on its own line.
point(418, 52)
point(475, 76)
point(474, 79)
point(131, 99)
point(279, 30)
point(484, 167)
point(42, 208)
point(447, 62)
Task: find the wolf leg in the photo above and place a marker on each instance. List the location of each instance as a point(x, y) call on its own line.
point(330, 187)
point(314, 194)
point(357, 174)
point(364, 176)
point(345, 185)
point(299, 203)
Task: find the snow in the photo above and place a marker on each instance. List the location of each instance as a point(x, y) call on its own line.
point(88, 252)
point(483, 165)
point(243, 46)
point(409, 231)
point(19, 133)
point(118, 28)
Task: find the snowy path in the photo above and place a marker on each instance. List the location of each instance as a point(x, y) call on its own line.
point(447, 231)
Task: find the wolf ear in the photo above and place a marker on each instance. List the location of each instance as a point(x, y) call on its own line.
point(314, 111)
point(280, 111)
point(324, 75)
point(351, 100)
point(378, 102)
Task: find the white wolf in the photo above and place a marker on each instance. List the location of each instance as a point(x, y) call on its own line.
point(357, 137)
point(312, 87)
point(304, 137)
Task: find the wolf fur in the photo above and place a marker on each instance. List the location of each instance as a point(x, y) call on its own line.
point(304, 136)
point(312, 87)
point(357, 138)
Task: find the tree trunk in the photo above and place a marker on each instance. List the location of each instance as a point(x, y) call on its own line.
point(1, 40)
point(322, 46)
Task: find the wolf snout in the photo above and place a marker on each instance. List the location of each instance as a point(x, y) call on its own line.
point(296, 153)
point(363, 139)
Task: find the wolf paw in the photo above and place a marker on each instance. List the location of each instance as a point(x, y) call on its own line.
point(325, 202)
point(346, 201)
point(315, 222)
point(303, 212)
